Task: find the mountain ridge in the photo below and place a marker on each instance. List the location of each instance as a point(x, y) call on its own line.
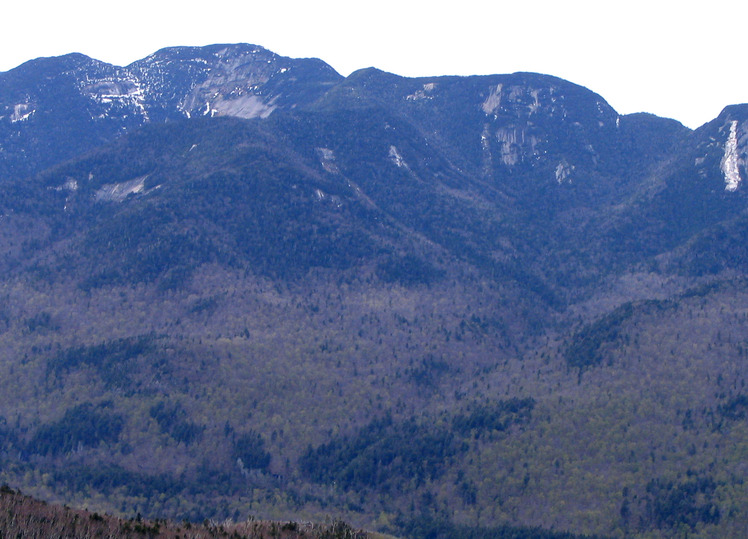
point(478, 301)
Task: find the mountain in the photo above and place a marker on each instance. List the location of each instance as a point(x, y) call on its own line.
point(239, 284)
point(52, 109)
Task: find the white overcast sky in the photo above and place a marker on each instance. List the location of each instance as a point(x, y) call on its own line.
point(678, 59)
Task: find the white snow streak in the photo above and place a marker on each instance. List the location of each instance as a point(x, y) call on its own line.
point(327, 159)
point(729, 163)
point(117, 192)
point(21, 113)
point(396, 158)
point(563, 172)
point(423, 93)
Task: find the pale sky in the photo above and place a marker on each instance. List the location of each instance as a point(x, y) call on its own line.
point(676, 59)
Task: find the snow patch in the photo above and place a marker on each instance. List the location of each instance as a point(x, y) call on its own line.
point(327, 160)
point(730, 163)
point(69, 185)
point(117, 92)
point(321, 196)
point(246, 106)
point(423, 93)
point(535, 105)
point(484, 138)
point(563, 172)
point(21, 112)
point(396, 158)
point(485, 144)
point(117, 192)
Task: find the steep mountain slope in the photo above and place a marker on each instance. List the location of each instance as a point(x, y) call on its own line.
point(689, 193)
point(52, 109)
point(243, 81)
point(412, 303)
point(47, 116)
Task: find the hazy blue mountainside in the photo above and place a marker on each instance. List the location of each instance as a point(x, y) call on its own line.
point(235, 283)
point(52, 109)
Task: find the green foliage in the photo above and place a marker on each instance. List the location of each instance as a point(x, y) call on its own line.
point(205, 305)
point(172, 419)
point(8, 438)
point(385, 454)
point(408, 270)
point(110, 479)
point(40, 322)
point(428, 371)
point(498, 416)
point(433, 527)
point(85, 425)
point(242, 199)
point(587, 346)
point(250, 448)
point(735, 408)
point(669, 504)
point(112, 360)
point(717, 249)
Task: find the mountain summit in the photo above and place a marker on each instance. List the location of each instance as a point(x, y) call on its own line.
point(60, 107)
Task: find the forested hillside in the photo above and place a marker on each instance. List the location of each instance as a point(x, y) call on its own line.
point(234, 284)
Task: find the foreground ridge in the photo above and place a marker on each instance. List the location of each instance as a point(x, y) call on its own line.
point(23, 516)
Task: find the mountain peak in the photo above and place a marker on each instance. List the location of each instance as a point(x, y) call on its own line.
point(196, 53)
